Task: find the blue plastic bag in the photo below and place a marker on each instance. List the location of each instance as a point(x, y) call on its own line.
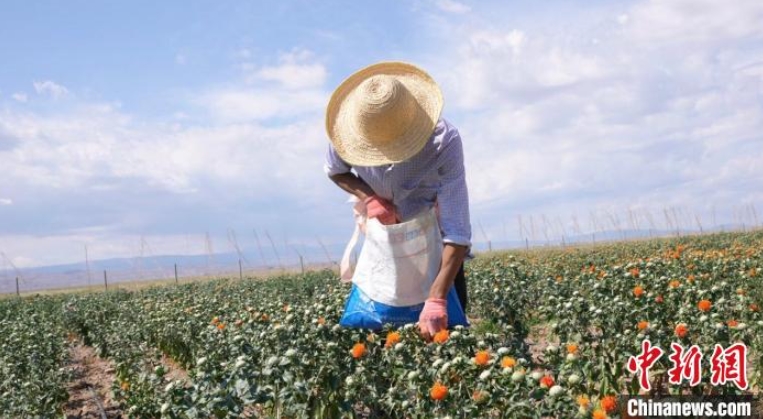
point(362, 312)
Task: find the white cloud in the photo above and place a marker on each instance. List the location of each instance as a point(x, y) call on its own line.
point(295, 70)
point(452, 6)
point(234, 105)
point(294, 76)
point(695, 21)
point(245, 143)
point(86, 148)
point(50, 88)
point(499, 67)
point(292, 88)
point(554, 123)
point(6, 201)
point(20, 97)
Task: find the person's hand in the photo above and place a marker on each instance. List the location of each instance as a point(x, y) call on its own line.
point(381, 209)
point(433, 318)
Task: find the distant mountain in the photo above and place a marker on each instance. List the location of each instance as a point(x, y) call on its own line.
point(158, 267)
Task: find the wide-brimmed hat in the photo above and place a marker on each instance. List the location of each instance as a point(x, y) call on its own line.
point(383, 114)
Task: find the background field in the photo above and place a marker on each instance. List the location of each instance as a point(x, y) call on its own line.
point(551, 332)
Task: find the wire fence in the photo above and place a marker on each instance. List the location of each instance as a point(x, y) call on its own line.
point(260, 254)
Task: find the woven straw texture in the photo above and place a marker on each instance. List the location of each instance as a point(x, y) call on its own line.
point(383, 114)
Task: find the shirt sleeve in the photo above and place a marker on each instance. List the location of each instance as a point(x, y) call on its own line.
point(452, 196)
point(334, 164)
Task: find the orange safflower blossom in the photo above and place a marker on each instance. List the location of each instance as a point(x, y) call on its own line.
point(438, 391)
point(547, 381)
point(572, 348)
point(508, 362)
point(638, 291)
point(643, 324)
point(393, 338)
point(482, 358)
point(358, 350)
point(609, 404)
point(442, 336)
point(681, 330)
point(704, 305)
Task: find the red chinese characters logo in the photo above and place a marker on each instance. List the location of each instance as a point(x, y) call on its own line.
point(686, 365)
point(643, 362)
point(727, 365)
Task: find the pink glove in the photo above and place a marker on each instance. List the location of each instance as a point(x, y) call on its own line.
point(434, 317)
point(381, 209)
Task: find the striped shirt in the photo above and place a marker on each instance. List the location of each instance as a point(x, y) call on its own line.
point(436, 173)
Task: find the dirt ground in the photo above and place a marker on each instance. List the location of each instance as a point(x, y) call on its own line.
point(90, 388)
point(174, 371)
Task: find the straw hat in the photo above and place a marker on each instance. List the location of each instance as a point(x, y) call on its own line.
point(383, 114)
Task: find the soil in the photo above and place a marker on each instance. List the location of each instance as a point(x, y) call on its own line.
point(538, 339)
point(174, 371)
point(90, 385)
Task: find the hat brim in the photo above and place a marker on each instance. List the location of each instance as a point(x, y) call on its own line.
point(356, 150)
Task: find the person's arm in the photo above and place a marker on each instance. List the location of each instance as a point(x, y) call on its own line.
point(452, 257)
point(340, 172)
point(349, 182)
point(453, 204)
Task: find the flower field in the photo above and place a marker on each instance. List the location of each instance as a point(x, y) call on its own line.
point(552, 334)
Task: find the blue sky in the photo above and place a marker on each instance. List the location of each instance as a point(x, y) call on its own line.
point(168, 120)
